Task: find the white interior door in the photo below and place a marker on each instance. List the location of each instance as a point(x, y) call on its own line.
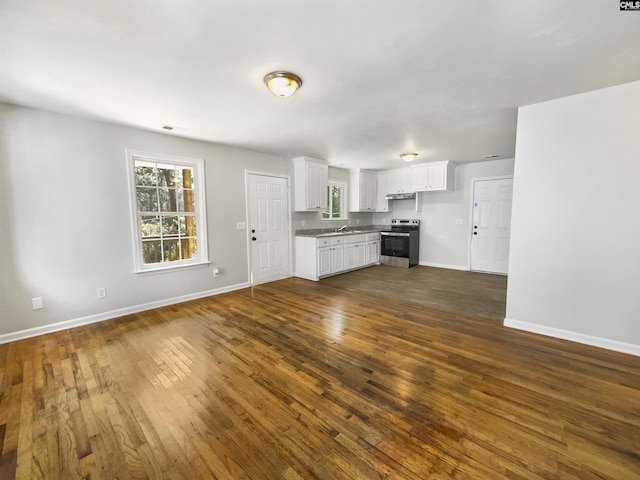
point(491, 225)
point(269, 236)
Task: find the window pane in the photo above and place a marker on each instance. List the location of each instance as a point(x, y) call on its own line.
point(166, 176)
point(179, 199)
point(150, 227)
point(167, 198)
point(188, 247)
point(147, 199)
point(170, 250)
point(187, 177)
point(151, 252)
point(170, 226)
point(189, 226)
point(146, 176)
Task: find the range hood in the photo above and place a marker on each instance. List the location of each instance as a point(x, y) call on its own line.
point(400, 196)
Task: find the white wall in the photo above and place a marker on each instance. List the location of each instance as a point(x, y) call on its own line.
point(575, 258)
point(65, 224)
point(444, 243)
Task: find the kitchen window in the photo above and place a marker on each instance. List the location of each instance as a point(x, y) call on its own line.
point(335, 201)
point(168, 211)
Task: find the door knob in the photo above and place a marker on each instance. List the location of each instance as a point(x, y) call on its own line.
point(253, 238)
point(253, 230)
point(475, 233)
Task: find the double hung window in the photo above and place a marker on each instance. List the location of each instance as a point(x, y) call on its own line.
point(168, 211)
point(335, 202)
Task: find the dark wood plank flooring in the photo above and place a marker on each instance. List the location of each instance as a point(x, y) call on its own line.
point(303, 380)
point(477, 294)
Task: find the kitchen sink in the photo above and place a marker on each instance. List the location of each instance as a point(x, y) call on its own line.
point(333, 234)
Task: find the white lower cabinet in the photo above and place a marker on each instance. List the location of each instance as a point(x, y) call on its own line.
point(373, 252)
point(318, 257)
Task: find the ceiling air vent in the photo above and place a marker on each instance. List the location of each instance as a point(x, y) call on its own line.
point(489, 157)
point(167, 127)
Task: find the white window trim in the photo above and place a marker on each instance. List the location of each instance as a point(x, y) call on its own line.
point(202, 257)
point(343, 201)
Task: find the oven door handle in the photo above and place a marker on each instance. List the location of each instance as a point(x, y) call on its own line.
point(395, 234)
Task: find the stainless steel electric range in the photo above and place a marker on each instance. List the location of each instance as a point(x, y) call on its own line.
point(400, 244)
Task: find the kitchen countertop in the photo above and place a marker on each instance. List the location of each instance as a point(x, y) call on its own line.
point(331, 232)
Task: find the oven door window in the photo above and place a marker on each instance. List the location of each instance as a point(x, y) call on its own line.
point(395, 246)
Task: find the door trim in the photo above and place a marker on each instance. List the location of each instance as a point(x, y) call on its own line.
point(247, 217)
point(473, 195)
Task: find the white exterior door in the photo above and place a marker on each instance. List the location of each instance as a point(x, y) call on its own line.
point(269, 235)
point(491, 225)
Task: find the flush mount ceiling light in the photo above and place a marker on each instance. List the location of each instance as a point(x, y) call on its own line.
point(407, 157)
point(283, 84)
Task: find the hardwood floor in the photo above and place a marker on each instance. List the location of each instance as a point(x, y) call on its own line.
point(304, 380)
point(477, 294)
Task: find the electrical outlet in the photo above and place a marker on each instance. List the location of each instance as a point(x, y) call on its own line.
point(101, 292)
point(216, 272)
point(36, 303)
point(303, 223)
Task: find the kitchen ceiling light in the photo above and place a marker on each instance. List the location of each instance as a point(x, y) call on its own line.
point(282, 84)
point(407, 157)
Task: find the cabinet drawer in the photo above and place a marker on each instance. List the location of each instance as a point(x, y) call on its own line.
point(337, 240)
point(324, 242)
point(355, 239)
point(372, 237)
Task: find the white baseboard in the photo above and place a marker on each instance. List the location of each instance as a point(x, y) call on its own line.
point(443, 265)
point(614, 345)
point(99, 317)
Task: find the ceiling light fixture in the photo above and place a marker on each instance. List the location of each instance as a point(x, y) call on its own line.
point(282, 84)
point(408, 157)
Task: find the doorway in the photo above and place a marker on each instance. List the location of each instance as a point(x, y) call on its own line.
point(269, 232)
point(491, 224)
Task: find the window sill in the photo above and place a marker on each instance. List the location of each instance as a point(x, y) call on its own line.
point(171, 268)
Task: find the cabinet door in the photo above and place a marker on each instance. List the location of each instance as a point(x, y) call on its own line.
point(310, 181)
point(394, 182)
point(406, 180)
point(360, 254)
point(373, 252)
point(437, 177)
point(382, 189)
point(367, 191)
point(349, 256)
point(337, 259)
point(317, 181)
point(324, 261)
point(420, 177)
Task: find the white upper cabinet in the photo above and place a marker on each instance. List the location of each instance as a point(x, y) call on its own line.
point(382, 182)
point(433, 177)
point(400, 181)
point(311, 177)
point(362, 190)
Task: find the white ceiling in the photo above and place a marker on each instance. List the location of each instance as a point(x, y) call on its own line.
point(442, 78)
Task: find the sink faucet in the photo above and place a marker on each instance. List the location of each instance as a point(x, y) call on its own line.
point(342, 228)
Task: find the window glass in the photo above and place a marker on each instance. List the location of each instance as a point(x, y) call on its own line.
point(335, 202)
